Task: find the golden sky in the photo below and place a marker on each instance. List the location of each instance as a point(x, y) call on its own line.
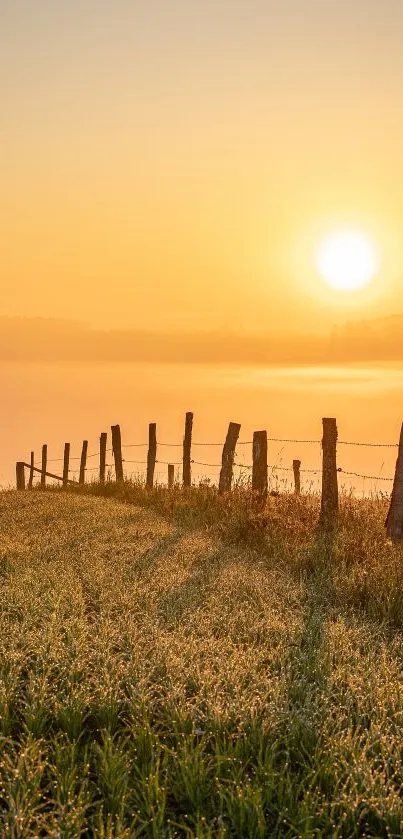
point(171, 164)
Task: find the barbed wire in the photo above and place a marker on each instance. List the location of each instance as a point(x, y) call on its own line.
point(368, 477)
point(239, 443)
point(211, 465)
point(370, 445)
point(139, 445)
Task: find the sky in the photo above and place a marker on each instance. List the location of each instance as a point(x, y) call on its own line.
point(171, 165)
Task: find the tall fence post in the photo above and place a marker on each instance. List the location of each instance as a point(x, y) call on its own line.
point(151, 454)
point(20, 475)
point(44, 465)
point(117, 451)
point(394, 521)
point(31, 471)
point(296, 465)
point(102, 456)
point(187, 450)
point(66, 460)
point(330, 493)
point(83, 462)
point(228, 454)
point(171, 475)
point(259, 464)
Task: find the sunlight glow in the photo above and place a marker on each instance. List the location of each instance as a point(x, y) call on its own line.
point(347, 260)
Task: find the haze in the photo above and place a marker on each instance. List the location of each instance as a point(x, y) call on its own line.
point(167, 171)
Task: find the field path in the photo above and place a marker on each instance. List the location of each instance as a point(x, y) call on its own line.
point(102, 585)
point(152, 675)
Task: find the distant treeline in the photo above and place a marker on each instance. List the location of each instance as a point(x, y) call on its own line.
point(43, 339)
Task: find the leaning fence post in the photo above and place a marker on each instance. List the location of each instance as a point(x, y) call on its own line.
point(394, 521)
point(66, 459)
point(44, 464)
point(187, 446)
point(20, 475)
point(151, 454)
point(171, 475)
point(228, 454)
point(31, 471)
point(296, 465)
point(259, 464)
point(330, 494)
point(117, 451)
point(83, 462)
point(102, 457)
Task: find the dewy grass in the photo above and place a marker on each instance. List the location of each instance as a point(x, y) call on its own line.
point(188, 666)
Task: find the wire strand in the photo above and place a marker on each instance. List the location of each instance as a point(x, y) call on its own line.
point(368, 477)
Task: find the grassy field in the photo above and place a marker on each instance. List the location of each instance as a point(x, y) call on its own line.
point(182, 666)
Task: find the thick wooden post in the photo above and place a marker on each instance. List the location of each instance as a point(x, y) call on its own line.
point(330, 493)
point(171, 475)
point(259, 464)
point(102, 457)
point(117, 451)
point(44, 464)
point(66, 460)
point(394, 521)
point(83, 462)
point(31, 471)
point(296, 465)
point(228, 454)
point(151, 454)
point(187, 448)
point(20, 475)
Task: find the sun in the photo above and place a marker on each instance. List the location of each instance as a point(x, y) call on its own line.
point(347, 260)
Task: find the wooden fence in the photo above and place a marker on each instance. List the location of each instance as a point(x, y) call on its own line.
point(259, 468)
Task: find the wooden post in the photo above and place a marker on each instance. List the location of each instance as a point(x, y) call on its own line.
point(296, 465)
point(66, 459)
point(20, 475)
point(228, 454)
point(102, 456)
point(151, 454)
point(31, 471)
point(83, 462)
point(259, 464)
point(117, 451)
point(171, 475)
point(187, 446)
point(330, 494)
point(394, 521)
point(44, 464)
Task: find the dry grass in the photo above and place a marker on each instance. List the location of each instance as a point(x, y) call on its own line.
point(186, 666)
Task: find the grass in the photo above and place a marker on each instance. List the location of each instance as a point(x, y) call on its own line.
point(189, 666)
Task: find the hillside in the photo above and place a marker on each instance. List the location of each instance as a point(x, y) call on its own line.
point(163, 678)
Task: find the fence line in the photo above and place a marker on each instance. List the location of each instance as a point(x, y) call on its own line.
point(259, 467)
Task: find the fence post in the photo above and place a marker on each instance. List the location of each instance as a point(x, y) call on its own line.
point(117, 451)
point(171, 475)
point(296, 465)
point(228, 454)
point(20, 475)
point(83, 462)
point(66, 459)
point(44, 464)
point(394, 521)
point(102, 456)
point(151, 454)
point(330, 494)
point(259, 464)
point(187, 446)
point(31, 471)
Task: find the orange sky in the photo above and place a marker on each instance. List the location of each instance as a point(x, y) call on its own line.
point(171, 165)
